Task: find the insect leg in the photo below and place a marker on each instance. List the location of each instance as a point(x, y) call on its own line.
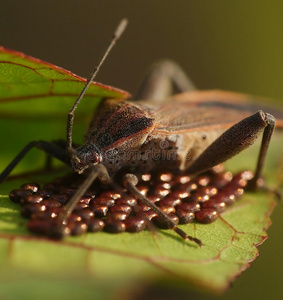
point(162, 79)
point(69, 207)
point(94, 171)
point(130, 181)
point(52, 149)
point(49, 158)
point(234, 140)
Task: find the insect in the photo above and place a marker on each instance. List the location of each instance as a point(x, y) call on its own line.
point(189, 132)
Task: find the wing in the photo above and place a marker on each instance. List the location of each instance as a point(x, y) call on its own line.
point(207, 110)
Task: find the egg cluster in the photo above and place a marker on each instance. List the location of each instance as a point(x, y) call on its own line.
point(183, 198)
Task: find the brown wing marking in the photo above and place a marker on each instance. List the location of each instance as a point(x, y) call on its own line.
point(209, 110)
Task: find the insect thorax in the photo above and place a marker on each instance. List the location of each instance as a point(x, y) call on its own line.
point(129, 136)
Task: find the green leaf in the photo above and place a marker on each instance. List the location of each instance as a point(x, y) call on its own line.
point(100, 264)
point(35, 98)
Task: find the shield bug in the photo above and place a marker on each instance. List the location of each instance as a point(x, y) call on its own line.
point(189, 133)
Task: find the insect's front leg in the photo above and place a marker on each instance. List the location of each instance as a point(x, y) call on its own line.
point(130, 181)
point(162, 79)
point(94, 172)
point(234, 140)
point(54, 149)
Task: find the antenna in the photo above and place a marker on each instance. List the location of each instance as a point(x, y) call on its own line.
point(117, 34)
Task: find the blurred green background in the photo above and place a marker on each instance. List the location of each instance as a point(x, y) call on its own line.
point(231, 45)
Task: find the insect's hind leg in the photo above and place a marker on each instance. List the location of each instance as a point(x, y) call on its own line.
point(162, 80)
point(130, 181)
point(234, 140)
point(54, 149)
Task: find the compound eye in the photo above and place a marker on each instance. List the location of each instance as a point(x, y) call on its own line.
point(94, 158)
